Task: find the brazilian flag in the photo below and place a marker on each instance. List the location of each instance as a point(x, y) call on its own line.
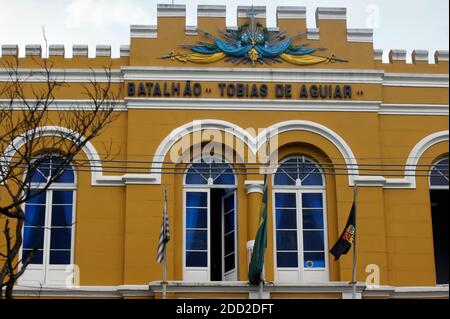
point(259, 249)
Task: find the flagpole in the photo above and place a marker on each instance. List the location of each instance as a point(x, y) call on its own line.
point(164, 283)
point(355, 198)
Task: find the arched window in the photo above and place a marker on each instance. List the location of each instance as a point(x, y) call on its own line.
point(210, 221)
point(300, 221)
point(439, 175)
point(49, 221)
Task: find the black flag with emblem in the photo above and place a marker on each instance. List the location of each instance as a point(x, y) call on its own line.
point(347, 238)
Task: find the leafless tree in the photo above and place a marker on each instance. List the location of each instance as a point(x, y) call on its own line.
point(25, 107)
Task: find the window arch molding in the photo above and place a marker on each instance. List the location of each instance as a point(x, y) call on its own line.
point(205, 166)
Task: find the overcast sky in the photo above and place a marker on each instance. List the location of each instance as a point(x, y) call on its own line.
point(398, 24)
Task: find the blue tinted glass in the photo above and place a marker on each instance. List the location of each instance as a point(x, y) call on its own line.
point(226, 178)
point(196, 240)
point(62, 215)
point(286, 219)
point(60, 257)
point(67, 176)
point(229, 243)
point(37, 199)
point(41, 173)
point(61, 238)
point(229, 222)
point(438, 180)
point(196, 199)
point(286, 200)
point(197, 174)
point(62, 197)
point(283, 179)
point(286, 240)
point(311, 200)
point(313, 179)
point(314, 260)
point(37, 177)
point(37, 258)
point(287, 260)
point(229, 263)
point(196, 218)
point(33, 237)
point(313, 240)
point(228, 203)
point(196, 259)
point(312, 219)
point(34, 215)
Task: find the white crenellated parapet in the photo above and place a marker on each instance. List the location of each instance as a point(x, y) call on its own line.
point(124, 50)
point(144, 31)
point(191, 30)
point(397, 55)
point(293, 12)
point(33, 50)
point(331, 13)
point(420, 55)
point(56, 50)
point(313, 34)
point(171, 10)
point(360, 35)
point(103, 51)
point(80, 50)
point(10, 50)
point(378, 54)
point(441, 56)
point(260, 11)
point(211, 11)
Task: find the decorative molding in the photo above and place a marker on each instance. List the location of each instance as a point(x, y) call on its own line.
point(103, 51)
point(441, 56)
point(191, 30)
point(254, 187)
point(67, 105)
point(83, 292)
point(143, 31)
point(378, 55)
point(80, 50)
point(420, 55)
point(64, 75)
point(397, 55)
point(406, 292)
point(33, 50)
point(360, 35)
point(291, 12)
point(124, 50)
point(242, 11)
point(416, 80)
point(211, 11)
point(331, 13)
point(414, 109)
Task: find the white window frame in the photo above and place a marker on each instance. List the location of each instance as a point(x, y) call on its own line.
point(47, 275)
point(199, 273)
point(300, 274)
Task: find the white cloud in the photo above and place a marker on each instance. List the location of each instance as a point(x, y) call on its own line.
point(102, 14)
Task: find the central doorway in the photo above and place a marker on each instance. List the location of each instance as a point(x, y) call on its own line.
point(210, 221)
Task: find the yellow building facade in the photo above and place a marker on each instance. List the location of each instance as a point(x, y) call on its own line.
point(337, 115)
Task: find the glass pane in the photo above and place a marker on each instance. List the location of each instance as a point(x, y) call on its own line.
point(37, 199)
point(312, 200)
point(229, 263)
point(61, 238)
point(229, 243)
point(66, 176)
point(196, 259)
point(282, 178)
point(196, 240)
point(286, 240)
point(439, 174)
point(62, 215)
point(37, 258)
point(60, 257)
point(287, 260)
point(41, 172)
point(226, 178)
point(34, 215)
point(313, 219)
point(314, 260)
point(229, 222)
point(196, 218)
point(196, 199)
point(228, 203)
point(312, 179)
point(286, 219)
point(313, 240)
point(33, 237)
point(285, 200)
point(197, 174)
point(62, 197)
